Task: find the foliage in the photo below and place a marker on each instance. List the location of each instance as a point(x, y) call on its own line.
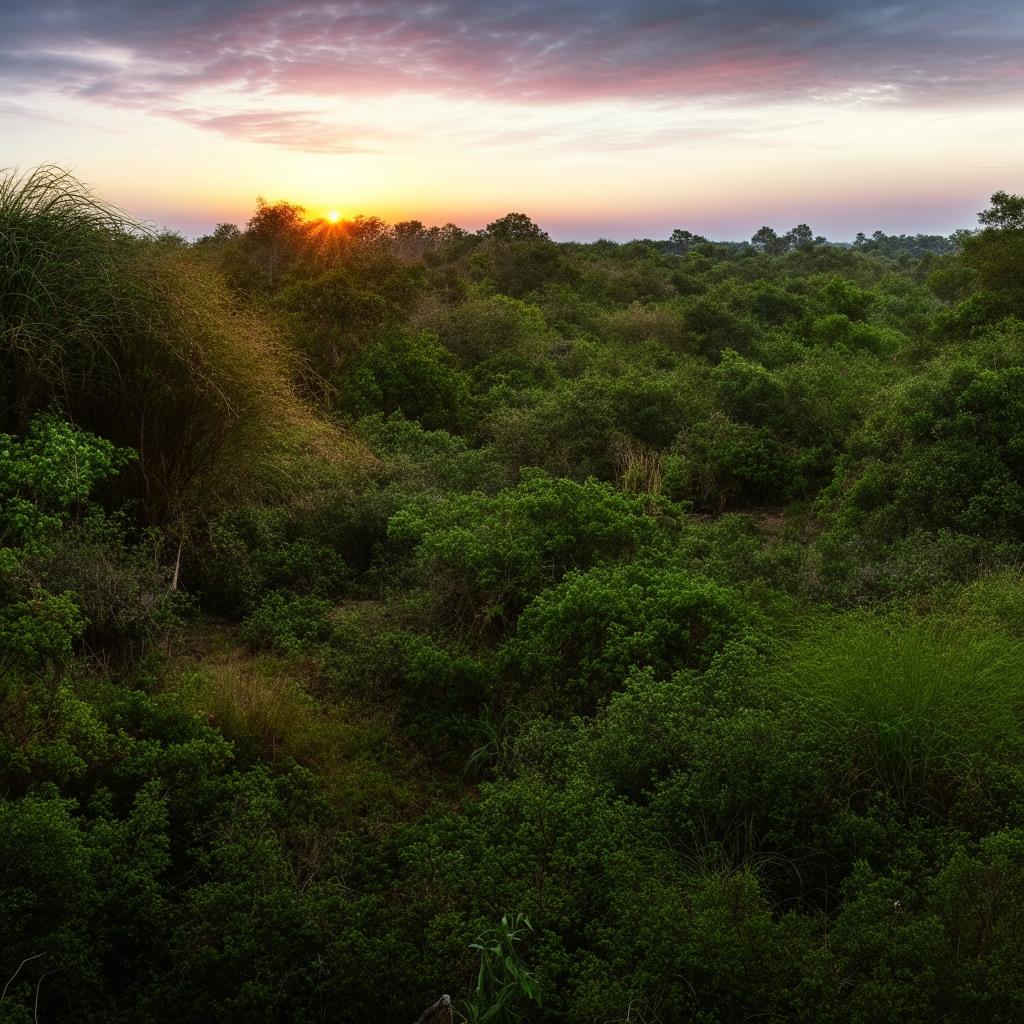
point(945, 454)
point(503, 979)
point(413, 376)
point(578, 641)
point(485, 557)
point(359, 582)
point(48, 474)
point(68, 570)
point(912, 711)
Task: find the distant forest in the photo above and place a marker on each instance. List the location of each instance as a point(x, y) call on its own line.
point(589, 632)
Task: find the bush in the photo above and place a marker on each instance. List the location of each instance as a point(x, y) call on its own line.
point(47, 476)
point(721, 464)
point(483, 558)
point(413, 376)
point(288, 623)
point(251, 551)
point(948, 459)
point(577, 642)
point(123, 590)
point(486, 326)
point(69, 570)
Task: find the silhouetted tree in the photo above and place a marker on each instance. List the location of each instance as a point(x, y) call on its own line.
point(515, 227)
point(1006, 212)
point(273, 236)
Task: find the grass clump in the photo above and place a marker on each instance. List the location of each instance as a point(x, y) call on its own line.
point(131, 337)
point(915, 707)
point(270, 707)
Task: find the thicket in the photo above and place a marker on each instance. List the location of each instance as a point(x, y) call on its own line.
point(593, 632)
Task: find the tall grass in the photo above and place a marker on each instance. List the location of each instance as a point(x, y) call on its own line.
point(133, 338)
point(65, 286)
point(263, 704)
point(638, 469)
point(910, 708)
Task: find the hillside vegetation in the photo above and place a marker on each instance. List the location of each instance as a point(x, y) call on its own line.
point(595, 632)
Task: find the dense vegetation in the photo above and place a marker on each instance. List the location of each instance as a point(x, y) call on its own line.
point(595, 632)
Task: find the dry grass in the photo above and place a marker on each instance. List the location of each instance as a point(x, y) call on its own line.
point(638, 470)
point(270, 708)
point(135, 339)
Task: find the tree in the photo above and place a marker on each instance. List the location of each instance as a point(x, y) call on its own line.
point(798, 236)
point(996, 253)
point(273, 235)
point(1006, 212)
point(518, 257)
point(410, 240)
point(766, 240)
point(683, 241)
point(226, 232)
point(515, 227)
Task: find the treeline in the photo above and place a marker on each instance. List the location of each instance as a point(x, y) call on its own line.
point(595, 632)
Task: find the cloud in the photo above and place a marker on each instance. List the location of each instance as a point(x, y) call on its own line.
point(289, 129)
point(244, 69)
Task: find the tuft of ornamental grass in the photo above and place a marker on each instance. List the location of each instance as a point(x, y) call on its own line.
point(915, 708)
point(132, 337)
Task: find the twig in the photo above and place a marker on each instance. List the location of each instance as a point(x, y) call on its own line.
point(35, 1009)
point(18, 971)
point(177, 564)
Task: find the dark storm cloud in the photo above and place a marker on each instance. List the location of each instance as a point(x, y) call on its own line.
point(153, 54)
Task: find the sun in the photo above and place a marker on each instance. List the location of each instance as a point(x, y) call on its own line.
point(333, 216)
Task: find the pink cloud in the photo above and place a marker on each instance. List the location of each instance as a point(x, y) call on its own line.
point(921, 52)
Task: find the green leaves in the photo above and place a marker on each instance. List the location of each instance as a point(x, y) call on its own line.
point(1005, 213)
point(483, 558)
point(37, 632)
point(577, 642)
point(948, 454)
point(503, 981)
point(44, 475)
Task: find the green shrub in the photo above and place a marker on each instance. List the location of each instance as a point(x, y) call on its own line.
point(251, 551)
point(483, 558)
point(577, 642)
point(46, 477)
point(70, 573)
point(289, 623)
point(947, 458)
point(339, 302)
point(946, 943)
point(722, 464)
point(410, 375)
point(712, 325)
point(487, 325)
point(123, 589)
point(414, 460)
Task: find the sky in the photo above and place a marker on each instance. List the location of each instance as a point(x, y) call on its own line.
point(598, 118)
